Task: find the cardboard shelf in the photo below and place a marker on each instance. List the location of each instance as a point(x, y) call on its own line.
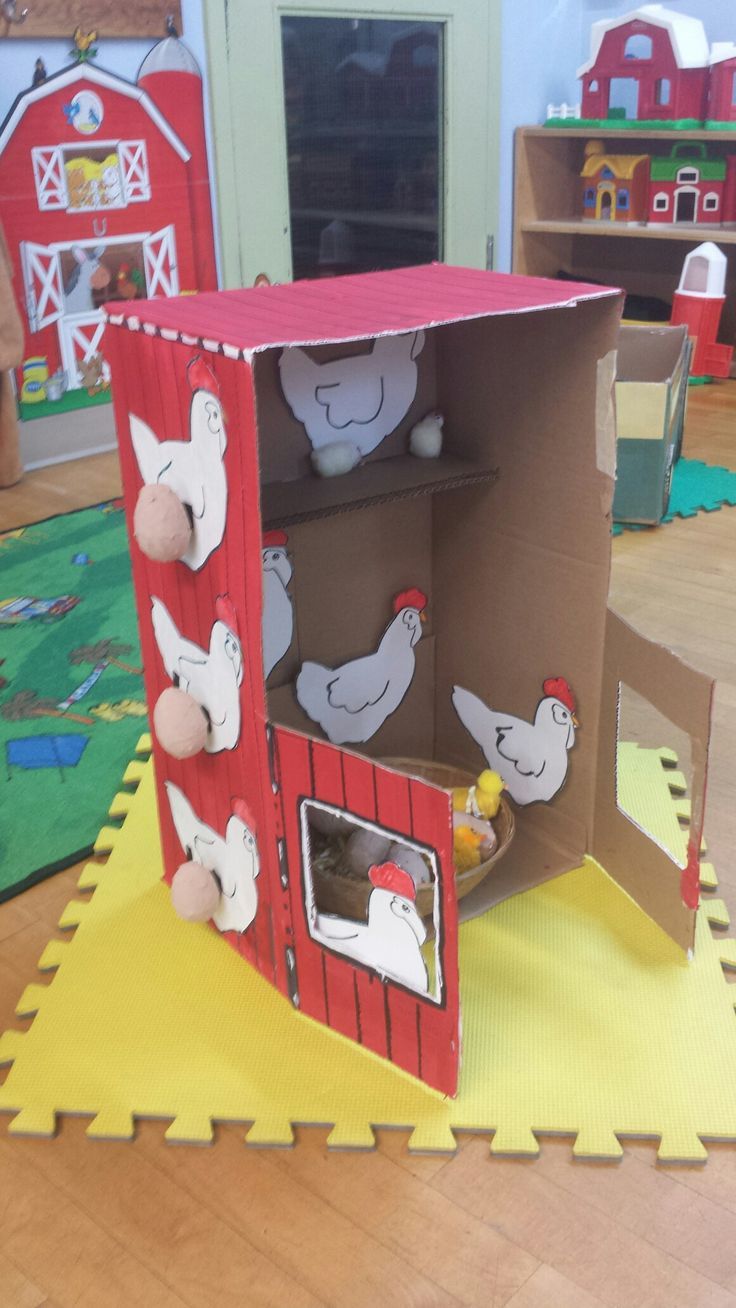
point(284, 503)
point(655, 231)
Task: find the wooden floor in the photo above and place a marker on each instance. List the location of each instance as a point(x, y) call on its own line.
point(146, 1224)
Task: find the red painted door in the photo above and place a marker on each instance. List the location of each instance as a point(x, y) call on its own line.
point(374, 969)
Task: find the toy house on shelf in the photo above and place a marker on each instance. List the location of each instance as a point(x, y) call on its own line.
point(104, 195)
point(689, 186)
point(649, 64)
point(322, 654)
point(614, 186)
point(652, 67)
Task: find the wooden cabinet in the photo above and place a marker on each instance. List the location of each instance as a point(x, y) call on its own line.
point(551, 237)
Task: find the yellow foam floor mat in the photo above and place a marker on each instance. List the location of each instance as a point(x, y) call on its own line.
point(579, 1017)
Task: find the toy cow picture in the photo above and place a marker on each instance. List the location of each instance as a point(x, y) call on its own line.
point(349, 674)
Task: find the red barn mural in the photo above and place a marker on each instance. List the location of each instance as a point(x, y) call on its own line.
point(104, 195)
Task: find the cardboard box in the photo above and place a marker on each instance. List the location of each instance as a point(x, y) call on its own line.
point(651, 396)
point(503, 543)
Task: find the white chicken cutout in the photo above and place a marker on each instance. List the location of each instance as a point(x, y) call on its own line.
point(352, 702)
point(391, 940)
point(278, 614)
point(212, 677)
point(360, 398)
point(233, 860)
point(530, 756)
point(193, 468)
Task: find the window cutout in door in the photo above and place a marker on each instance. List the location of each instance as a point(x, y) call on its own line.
point(642, 727)
point(365, 889)
point(363, 107)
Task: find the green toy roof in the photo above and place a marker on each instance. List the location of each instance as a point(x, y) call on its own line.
point(666, 170)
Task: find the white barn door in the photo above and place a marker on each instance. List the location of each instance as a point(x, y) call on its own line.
point(43, 284)
point(159, 259)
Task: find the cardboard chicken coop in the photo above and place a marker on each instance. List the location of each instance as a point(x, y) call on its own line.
point(347, 637)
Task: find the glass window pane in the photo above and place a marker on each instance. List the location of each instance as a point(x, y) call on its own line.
point(363, 101)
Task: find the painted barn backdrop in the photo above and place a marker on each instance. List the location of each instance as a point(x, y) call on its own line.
point(104, 195)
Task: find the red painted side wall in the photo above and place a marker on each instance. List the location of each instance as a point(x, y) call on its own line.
point(689, 87)
point(149, 380)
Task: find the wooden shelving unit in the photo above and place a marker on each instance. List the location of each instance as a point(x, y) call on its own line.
point(550, 236)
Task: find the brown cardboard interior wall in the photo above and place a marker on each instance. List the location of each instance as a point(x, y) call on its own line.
point(408, 733)
point(347, 570)
point(284, 447)
point(683, 696)
point(649, 354)
point(521, 575)
point(516, 572)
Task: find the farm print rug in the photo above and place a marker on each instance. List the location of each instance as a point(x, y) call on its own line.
point(71, 691)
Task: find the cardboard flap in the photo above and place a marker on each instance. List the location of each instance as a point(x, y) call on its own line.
point(667, 892)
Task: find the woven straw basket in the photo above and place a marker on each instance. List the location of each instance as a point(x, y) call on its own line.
point(348, 896)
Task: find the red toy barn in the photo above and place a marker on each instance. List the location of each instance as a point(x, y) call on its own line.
point(104, 195)
point(722, 96)
point(267, 610)
point(650, 63)
point(691, 186)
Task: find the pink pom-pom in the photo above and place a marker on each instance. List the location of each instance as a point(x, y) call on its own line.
point(179, 723)
point(194, 892)
point(161, 524)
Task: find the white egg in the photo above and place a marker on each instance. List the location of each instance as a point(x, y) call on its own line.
point(425, 438)
point(335, 459)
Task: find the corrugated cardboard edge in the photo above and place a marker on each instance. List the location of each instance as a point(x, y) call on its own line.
point(135, 324)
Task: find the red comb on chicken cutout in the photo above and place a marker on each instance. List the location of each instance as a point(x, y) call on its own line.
point(241, 810)
point(225, 611)
point(387, 876)
point(557, 688)
point(201, 377)
point(274, 539)
point(410, 599)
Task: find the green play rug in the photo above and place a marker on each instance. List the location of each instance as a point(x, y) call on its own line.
point(72, 704)
point(696, 487)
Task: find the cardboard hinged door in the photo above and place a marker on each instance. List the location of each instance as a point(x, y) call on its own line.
point(368, 966)
point(667, 891)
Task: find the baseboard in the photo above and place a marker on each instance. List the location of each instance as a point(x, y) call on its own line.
point(66, 436)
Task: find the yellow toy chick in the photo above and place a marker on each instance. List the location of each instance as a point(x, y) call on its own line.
point(466, 845)
point(482, 800)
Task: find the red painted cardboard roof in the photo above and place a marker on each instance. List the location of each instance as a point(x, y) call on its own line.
point(350, 308)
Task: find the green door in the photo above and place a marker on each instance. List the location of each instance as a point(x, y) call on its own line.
point(353, 138)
